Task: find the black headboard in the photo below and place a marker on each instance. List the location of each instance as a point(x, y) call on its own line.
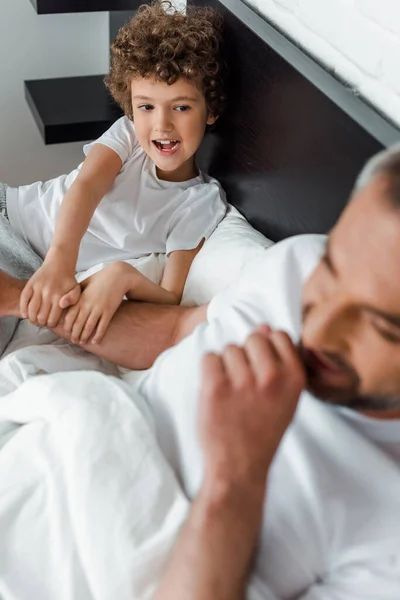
point(294, 138)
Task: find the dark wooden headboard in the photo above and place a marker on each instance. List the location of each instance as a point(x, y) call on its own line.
point(294, 138)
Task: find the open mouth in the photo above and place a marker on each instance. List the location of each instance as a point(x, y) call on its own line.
point(166, 146)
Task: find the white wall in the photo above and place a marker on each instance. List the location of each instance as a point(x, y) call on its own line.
point(358, 39)
point(36, 46)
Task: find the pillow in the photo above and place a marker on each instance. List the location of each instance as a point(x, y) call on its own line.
point(223, 257)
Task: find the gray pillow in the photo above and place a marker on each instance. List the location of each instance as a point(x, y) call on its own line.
point(18, 260)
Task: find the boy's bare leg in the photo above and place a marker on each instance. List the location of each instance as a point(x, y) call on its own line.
point(137, 334)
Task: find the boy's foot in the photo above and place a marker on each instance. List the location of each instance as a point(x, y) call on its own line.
point(10, 292)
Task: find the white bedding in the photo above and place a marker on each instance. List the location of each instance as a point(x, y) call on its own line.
point(89, 507)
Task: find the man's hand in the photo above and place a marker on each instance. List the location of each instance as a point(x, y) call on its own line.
point(248, 398)
point(40, 299)
point(101, 296)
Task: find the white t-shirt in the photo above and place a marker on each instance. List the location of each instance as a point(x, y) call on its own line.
point(140, 215)
point(331, 528)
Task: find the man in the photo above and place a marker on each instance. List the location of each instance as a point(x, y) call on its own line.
point(329, 527)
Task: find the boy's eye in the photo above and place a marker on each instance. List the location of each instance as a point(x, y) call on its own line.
point(182, 108)
point(146, 107)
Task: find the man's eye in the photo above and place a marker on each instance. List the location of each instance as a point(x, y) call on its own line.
point(327, 262)
point(388, 335)
point(182, 108)
point(146, 107)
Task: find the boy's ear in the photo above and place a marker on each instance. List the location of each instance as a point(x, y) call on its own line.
point(211, 119)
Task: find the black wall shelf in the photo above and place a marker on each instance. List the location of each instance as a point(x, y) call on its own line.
point(76, 109)
point(71, 109)
point(46, 7)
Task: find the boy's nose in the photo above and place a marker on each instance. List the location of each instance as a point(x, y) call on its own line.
point(163, 123)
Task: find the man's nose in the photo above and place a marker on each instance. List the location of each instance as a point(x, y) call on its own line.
point(329, 326)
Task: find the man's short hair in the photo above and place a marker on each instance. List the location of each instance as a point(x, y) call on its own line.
point(384, 164)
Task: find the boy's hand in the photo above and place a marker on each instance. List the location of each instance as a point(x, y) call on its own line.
point(248, 398)
point(40, 299)
point(101, 296)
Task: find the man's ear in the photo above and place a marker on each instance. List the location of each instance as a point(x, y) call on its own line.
point(211, 119)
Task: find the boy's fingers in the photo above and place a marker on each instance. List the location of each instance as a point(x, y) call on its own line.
point(89, 327)
point(69, 319)
point(71, 297)
point(101, 329)
point(44, 311)
point(79, 325)
point(34, 307)
point(54, 315)
point(26, 296)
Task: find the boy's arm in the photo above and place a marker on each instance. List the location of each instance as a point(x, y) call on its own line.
point(177, 269)
point(41, 296)
point(170, 290)
point(104, 291)
point(94, 180)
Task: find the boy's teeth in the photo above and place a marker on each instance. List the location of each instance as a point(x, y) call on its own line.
point(166, 144)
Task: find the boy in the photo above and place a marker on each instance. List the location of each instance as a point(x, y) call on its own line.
point(138, 191)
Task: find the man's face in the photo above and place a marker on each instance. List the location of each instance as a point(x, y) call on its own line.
point(351, 308)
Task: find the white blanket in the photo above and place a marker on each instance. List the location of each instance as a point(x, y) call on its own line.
point(89, 508)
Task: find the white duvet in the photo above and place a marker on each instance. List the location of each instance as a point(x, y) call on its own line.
point(89, 507)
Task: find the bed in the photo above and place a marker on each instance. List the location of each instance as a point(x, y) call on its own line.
point(71, 456)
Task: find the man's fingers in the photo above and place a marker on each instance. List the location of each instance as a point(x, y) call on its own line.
point(264, 330)
point(289, 354)
point(261, 353)
point(237, 367)
point(213, 373)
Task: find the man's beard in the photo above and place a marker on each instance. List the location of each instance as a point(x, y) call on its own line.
point(349, 396)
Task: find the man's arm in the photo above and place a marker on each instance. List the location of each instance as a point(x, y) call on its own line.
point(139, 332)
point(248, 399)
point(214, 551)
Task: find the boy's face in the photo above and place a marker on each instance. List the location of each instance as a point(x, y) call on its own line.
point(170, 122)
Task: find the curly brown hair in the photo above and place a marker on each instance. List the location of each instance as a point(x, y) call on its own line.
point(163, 43)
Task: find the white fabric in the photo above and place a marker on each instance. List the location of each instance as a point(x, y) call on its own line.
point(82, 482)
point(89, 509)
point(222, 259)
point(331, 529)
point(140, 215)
